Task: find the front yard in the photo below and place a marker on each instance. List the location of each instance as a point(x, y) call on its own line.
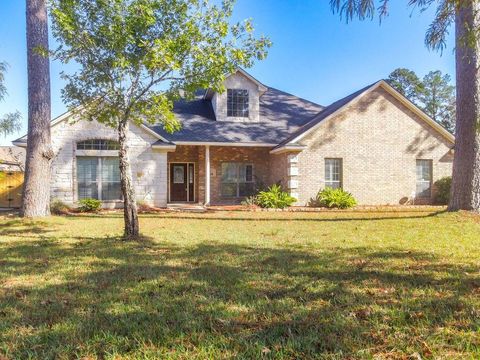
point(381, 284)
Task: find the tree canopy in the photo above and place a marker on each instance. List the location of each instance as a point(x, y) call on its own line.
point(437, 32)
point(136, 57)
point(434, 94)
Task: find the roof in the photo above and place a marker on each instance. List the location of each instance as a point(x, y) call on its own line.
point(326, 112)
point(12, 158)
point(281, 114)
point(283, 120)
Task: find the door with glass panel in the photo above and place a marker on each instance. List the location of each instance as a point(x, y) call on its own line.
point(182, 182)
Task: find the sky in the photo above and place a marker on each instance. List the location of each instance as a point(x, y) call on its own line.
point(315, 54)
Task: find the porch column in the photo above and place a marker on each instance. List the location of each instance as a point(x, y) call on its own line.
point(207, 174)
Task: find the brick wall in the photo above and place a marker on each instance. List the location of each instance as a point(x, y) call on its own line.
point(379, 140)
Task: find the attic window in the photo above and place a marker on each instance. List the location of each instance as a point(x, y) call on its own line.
point(97, 144)
point(237, 103)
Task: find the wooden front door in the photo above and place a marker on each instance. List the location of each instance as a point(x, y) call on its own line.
point(182, 182)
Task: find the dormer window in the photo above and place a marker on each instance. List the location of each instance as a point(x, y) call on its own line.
point(237, 103)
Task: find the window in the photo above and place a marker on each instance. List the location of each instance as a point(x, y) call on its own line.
point(97, 144)
point(98, 178)
point(237, 103)
point(237, 180)
point(333, 173)
point(424, 179)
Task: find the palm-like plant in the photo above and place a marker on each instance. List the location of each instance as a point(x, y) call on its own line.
point(465, 15)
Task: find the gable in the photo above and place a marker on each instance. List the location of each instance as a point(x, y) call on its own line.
point(340, 106)
point(378, 121)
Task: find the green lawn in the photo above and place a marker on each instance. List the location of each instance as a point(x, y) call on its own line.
point(371, 284)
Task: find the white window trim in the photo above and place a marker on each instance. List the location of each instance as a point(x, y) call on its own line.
point(340, 182)
point(237, 196)
point(98, 181)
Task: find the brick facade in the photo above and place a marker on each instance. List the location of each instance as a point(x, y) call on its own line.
point(379, 140)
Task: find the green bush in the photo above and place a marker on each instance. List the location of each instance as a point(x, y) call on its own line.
point(442, 190)
point(89, 205)
point(58, 207)
point(335, 198)
point(274, 198)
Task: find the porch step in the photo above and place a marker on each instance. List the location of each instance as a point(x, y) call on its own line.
point(196, 208)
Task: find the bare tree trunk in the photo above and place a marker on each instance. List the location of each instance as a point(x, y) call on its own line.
point(130, 213)
point(36, 191)
point(466, 165)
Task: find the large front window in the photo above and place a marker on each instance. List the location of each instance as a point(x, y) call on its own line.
point(237, 180)
point(333, 173)
point(237, 103)
point(98, 178)
point(424, 179)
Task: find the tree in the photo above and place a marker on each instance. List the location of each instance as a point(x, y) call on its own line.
point(9, 123)
point(406, 82)
point(36, 190)
point(136, 57)
point(465, 15)
point(437, 98)
point(433, 94)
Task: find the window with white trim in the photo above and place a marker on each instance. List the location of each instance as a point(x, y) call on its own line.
point(98, 144)
point(237, 180)
point(333, 173)
point(98, 178)
point(424, 178)
point(237, 103)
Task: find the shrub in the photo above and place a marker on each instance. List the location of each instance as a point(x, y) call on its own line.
point(58, 207)
point(442, 190)
point(250, 201)
point(89, 205)
point(274, 198)
point(143, 206)
point(335, 198)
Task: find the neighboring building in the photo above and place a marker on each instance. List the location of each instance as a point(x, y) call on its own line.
point(12, 165)
point(374, 143)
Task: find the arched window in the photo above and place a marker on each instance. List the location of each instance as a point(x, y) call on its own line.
point(97, 144)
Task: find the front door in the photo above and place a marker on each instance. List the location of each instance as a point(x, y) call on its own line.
point(182, 182)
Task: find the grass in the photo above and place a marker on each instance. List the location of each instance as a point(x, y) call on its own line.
point(334, 285)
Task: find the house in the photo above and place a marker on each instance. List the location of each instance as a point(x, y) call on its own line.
point(373, 143)
point(12, 165)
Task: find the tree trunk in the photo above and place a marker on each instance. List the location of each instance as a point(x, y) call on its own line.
point(130, 213)
point(36, 191)
point(465, 193)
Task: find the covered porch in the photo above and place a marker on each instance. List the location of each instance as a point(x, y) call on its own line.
point(217, 174)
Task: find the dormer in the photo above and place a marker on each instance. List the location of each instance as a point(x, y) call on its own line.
point(240, 102)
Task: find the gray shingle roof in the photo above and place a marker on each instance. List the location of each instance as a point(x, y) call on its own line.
point(329, 110)
point(281, 114)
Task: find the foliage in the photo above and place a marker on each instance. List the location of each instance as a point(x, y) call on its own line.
point(89, 205)
point(9, 123)
point(274, 198)
point(144, 207)
point(433, 94)
point(136, 57)
point(250, 201)
point(335, 198)
point(442, 190)
point(58, 207)
point(438, 99)
point(437, 32)
point(406, 82)
point(381, 284)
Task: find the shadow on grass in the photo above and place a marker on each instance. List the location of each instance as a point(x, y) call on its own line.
point(334, 216)
point(151, 299)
